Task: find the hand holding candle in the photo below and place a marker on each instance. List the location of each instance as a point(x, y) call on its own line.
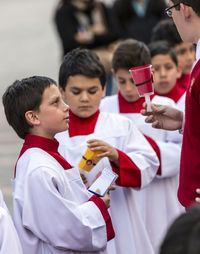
point(89, 159)
point(143, 80)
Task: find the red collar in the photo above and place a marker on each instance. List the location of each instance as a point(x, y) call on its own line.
point(175, 94)
point(184, 80)
point(131, 107)
point(82, 126)
point(48, 145)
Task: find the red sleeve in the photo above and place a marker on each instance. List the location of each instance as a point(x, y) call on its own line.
point(100, 204)
point(157, 151)
point(129, 174)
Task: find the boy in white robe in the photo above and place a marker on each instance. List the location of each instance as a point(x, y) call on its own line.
point(82, 83)
point(166, 73)
point(53, 211)
point(158, 201)
point(9, 240)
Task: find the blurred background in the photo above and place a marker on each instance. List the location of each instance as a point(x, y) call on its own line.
point(28, 46)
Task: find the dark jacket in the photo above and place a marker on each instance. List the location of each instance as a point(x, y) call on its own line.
point(67, 26)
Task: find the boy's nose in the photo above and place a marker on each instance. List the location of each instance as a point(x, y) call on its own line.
point(162, 72)
point(84, 96)
point(129, 86)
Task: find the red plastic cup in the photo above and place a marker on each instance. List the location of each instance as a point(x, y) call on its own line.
point(143, 79)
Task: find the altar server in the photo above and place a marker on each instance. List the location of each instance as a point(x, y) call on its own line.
point(125, 150)
point(53, 211)
point(158, 201)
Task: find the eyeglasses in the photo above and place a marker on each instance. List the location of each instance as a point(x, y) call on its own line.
point(168, 10)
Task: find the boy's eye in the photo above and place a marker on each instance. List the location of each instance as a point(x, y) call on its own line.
point(76, 92)
point(122, 82)
point(181, 52)
point(168, 67)
point(156, 68)
point(56, 101)
point(93, 91)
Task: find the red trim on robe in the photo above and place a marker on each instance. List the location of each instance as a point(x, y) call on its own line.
point(129, 174)
point(51, 147)
point(135, 107)
point(86, 126)
point(131, 107)
point(48, 145)
point(82, 126)
point(109, 227)
point(157, 151)
point(175, 94)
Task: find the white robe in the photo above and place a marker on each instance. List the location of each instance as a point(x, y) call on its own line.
point(130, 234)
point(9, 240)
point(158, 201)
point(180, 104)
point(51, 211)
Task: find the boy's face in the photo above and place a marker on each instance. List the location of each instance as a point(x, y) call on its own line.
point(186, 55)
point(53, 113)
point(126, 85)
point(83, 95)
point(165, 73)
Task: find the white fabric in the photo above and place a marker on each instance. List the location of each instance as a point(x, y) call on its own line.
point(130, 234)
point(158, 201)
point(198, 51)
point(180, 104)
point(9, 241)
point(50, 209)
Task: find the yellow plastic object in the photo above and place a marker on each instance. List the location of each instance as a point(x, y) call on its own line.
point(89, 159)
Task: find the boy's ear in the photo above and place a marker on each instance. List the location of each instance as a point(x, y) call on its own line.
point(62, 92)
point(32, 118)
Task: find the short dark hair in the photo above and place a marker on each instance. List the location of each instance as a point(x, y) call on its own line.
point(192, 3)
point(183, 235)
point(22, 96)
point(130, 53)
point(162, 48)
point(81, 62)
point(166, 30)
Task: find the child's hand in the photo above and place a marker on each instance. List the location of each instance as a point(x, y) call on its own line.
point(83, 177)
point(95, 178)
point(197, 199)
point(108, 150)
point(106, 200)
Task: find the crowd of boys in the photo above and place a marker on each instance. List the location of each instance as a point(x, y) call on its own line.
point(53, 210)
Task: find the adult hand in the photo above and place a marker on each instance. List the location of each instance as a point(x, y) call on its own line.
point(164, 117)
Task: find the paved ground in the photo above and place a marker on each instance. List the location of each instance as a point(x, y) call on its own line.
point(28, 46)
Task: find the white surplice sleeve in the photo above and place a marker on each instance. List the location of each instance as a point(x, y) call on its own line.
point(9, 241)
point(170, 158)
point(138, 149)
point(51, 212)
